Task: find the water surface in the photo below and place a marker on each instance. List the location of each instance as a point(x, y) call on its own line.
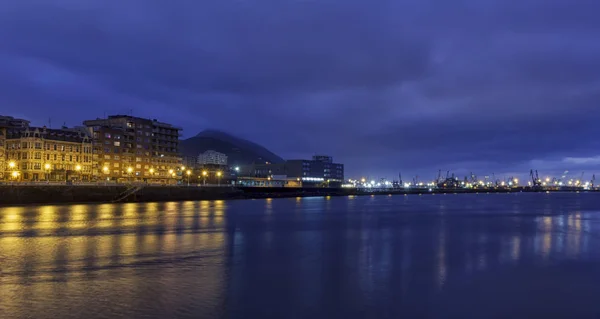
point(437, 256)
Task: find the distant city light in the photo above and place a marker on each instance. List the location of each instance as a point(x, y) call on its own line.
point(313, 179)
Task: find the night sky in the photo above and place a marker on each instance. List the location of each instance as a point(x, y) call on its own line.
point(382, 85)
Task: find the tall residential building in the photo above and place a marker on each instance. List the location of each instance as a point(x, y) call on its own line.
point(212, 157)
point(6, 123)
point(128, 148)
point(43, 154)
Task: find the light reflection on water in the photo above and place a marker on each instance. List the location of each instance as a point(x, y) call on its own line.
point(299, 257)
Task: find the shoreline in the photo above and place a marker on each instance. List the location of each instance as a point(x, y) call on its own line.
point(19, 195)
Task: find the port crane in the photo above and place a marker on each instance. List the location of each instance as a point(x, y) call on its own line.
point(535, 179)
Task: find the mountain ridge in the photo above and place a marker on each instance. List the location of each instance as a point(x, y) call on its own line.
point(239, 151)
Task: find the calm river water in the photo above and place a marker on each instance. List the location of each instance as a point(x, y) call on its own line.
point(434, 256)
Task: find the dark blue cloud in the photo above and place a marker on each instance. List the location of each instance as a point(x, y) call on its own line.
point(384, 86)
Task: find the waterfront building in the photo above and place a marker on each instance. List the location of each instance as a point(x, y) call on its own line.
point(128, 148)
point(212, 157)
point(6, 123)
point(43, 154)
point(320, 171)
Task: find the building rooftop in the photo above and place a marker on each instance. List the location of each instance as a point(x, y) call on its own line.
point(65, 134)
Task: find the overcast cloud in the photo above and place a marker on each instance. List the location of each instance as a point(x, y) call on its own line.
point(383, 86)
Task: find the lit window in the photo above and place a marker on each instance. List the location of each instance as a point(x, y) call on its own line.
point(117, 143)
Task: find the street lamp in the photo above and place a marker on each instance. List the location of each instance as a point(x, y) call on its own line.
point(15, 174)
point(219, 178)
point(129, 171)
point(105, 169)
point(188, 174)
point(78, 170)
point(182, 168)
point(204, 173)
point(47, 167)
point(12, 165)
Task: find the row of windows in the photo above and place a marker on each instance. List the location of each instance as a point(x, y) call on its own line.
point(162, 167)
point(48, 157)
point(107, 150)
point(39, 166)
point(49, 147)
point(125, 158)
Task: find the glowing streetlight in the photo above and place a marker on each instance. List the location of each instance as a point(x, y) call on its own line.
point(152, 171)
point(47, 167)
point(183, 168)
point(219, 178)
point(12, 164)
point(170, 172)
point(105, 169)
point(204, 173)
point(237, 168)
point(129, 170)
point(188, 175)
point(15, 174)
point(78, 167)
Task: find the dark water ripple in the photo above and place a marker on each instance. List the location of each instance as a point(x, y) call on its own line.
point(442, 256)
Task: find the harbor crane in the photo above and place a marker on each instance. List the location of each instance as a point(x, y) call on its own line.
point(535, 179)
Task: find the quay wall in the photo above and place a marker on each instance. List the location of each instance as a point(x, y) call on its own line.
point(62, 194)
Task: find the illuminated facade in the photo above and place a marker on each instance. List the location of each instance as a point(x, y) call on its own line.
point(43, 154)
point(128, 148)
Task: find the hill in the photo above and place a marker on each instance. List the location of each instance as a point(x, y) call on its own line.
point(238, 150)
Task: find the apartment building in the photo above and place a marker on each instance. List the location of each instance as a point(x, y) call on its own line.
point(128, 148)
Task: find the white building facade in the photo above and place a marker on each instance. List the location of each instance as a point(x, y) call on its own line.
point(212, 157)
